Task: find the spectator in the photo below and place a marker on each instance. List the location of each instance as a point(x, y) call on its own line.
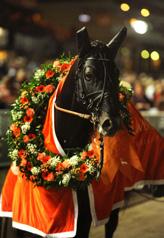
point(139, 98)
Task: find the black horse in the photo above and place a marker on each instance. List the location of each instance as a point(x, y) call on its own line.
point(91, 88)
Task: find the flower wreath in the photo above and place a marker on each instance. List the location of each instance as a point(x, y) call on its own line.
point(25, 138)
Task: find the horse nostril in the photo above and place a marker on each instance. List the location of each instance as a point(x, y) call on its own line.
point(107, 125)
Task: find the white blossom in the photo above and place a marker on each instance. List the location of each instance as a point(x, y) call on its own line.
point(91, 169)
point(66, 179)
point(25, 127)
point(35, 170)
point(32, 148)
point(35, 99)
point(126, 85)
point(13, 154)
point(38, 74)
point(54, 161)
point(16, 115)
point(74, 160)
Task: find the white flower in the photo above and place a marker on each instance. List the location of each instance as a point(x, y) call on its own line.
point(32, 148)
point(13, 154)
point(25, 127)
point(38, 74)
point(126, 85)
point(66, 179)
point(54, 161)
point(74, 160)
point(35, 99)
point(35, 170)
point(16, 115)
point(91, 169)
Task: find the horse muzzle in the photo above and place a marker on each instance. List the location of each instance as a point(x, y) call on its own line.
point(107, 125)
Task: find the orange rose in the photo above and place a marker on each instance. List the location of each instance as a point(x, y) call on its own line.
point(15, 130)
point(84, 155)
point(30, 112)
point(39, 89)
point(43, 158)
point(23, 162)
point(49, 74)
point(26, 139)
point(24, 100)
point(49, 88)
point(48, 176)
point(83, 168)
point(65, 164)
point(22, 154)
point(27, 119)
point(59, 167)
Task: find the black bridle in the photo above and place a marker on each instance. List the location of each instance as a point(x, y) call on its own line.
point(94, 98)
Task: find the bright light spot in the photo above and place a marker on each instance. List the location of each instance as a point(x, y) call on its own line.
point(124, 7)
point(2, 31)
point(84, 18)
point(145, 54)
point(155, 55)
point(145, 12)
point(139, 26)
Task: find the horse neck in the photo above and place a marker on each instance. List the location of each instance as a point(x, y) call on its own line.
point(71, 130)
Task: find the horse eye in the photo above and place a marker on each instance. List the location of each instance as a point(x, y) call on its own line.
point(89, 74)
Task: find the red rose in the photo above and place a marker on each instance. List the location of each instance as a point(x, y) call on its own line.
point(22, 153)
point(30, 112)
point(31, 136)
point(49, 88)
point(83, 168)
point(90, 153)
point(27, 119)
point(49, 74)
point(39, 89)
point(64, 67)
point(24, 100)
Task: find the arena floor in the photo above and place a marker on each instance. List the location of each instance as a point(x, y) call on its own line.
point(145, 220)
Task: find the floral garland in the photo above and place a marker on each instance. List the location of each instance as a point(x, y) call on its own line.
point(25, 138)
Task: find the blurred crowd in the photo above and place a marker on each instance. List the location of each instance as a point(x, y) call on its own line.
point(13, 73)
point(148, 93)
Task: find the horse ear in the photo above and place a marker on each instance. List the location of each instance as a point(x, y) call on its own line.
point(83, 41)
point(116, 41)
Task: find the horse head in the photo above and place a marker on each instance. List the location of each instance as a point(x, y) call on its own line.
point(92, 88)
point(97, 85)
